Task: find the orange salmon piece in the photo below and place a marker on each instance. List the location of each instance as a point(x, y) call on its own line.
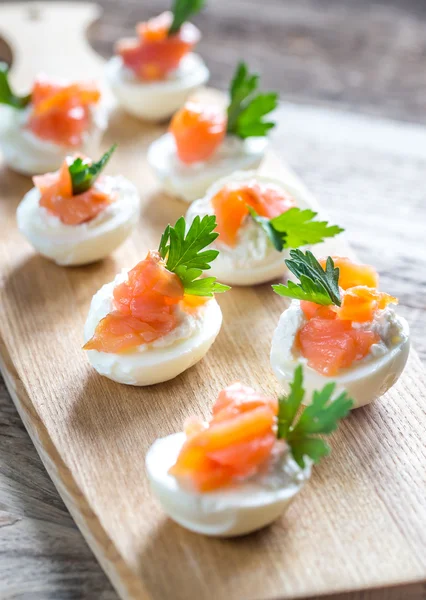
point(236, 443)
point(61, 114)
point(353, 274)
point(333, 344)
point(56, 196)
point(231, 202)
point(118, 334)
point(144, 308)
point(154, 54)
point(359, 303)
point(198, 131)
point(311, 309)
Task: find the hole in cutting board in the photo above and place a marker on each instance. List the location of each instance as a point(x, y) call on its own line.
point(33, 13)
point(5, 52)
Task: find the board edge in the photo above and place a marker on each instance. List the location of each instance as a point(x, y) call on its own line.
point(125, 582)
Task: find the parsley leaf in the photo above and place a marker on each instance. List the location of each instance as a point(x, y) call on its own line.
point(84, 174)
point(248, 108)
point(289, 405)
point(320, 417)
point(185, 255)
point(6, 94)
point(316, 284)
point(295, 227)
point(182, 10)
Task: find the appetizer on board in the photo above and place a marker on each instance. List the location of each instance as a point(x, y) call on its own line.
point(77, 216)
point(54, 120)
point(206, 142)
point(153, 75)
point(240, 471)
point(341, 327)
point(158, 319)
point(258, 220)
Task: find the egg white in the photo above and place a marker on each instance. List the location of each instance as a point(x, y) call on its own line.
point(86, 243)
point(232, 511)
point(158, 361)
point(364, 381)
point(190, 182)
point(254, 259)
point(28, 154)
point(156, 100)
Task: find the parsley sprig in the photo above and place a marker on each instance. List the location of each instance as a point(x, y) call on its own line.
point(316, 284)
point(295, 228)
point(182, 10)
point(185, 255)
point(320, 417)
point(6, 94)
point(84, 174)
point(248, 108)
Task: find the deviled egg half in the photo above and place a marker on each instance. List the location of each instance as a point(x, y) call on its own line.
point(154, 74)
point(340, 327)
point(258, 220)
point(158, 319)
point(38, 131)
point(77, 216)
point(240, 471)
point(206, 142)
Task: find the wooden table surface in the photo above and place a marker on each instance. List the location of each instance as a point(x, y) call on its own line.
point(367, 172)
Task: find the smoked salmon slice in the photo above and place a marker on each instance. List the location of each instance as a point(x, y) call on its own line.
point(155, 53)
point(333, 344)
point(231, 203)
point(328, 340)
point(353, 274)
point(62, 113)
point(144, 308)
point(56, 196)
point(236, 443)
point(198, 131)
point(360, 303)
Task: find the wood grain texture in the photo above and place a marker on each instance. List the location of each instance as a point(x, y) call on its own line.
point(376, 457)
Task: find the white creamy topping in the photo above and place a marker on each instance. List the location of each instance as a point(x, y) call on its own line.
point(191, 182)
point(189, 324)
point(386, 324)
point(365, 379)
point(253, 259)
point(162, 359)
point(87, 242)
point(231, 149)
point(115, 187)
point(27, 153)
point(156, 100)
point(253, 247)
point(189, 67)
point(233, 510)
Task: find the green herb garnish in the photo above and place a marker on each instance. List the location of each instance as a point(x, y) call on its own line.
point(316, 284)
point(320, 417)
point(84, 174)
point(6, 94)
point(182, 11)
point(185, 255)
point(295, 228)
point(248, 108)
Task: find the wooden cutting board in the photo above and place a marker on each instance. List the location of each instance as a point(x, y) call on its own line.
point(361, 521)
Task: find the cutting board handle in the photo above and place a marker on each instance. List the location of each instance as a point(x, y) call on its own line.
point(49, 37)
